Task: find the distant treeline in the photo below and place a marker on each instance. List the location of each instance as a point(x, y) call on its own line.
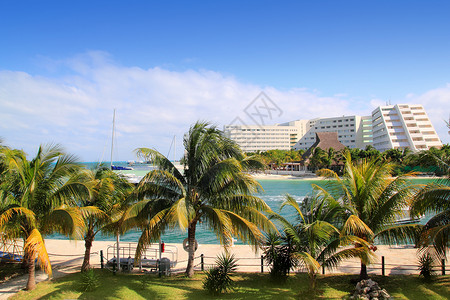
point(430, 161)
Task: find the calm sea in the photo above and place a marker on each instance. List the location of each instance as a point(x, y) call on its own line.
point(274, 194)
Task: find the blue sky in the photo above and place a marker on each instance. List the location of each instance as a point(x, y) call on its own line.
point(65, 65)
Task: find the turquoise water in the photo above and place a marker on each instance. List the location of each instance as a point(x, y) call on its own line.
point(274, 194)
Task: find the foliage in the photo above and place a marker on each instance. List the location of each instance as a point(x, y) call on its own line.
point(277, 158)
point(105, 204)
point(373, 201)
point(426, 266)
point(38, 198)
point(218, 279)
point(315, 240)
point(279, 253)
point(213, 189)
point(434, 198)
point(89, 280)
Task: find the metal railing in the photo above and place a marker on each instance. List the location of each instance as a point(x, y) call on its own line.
point(374, 267)
point(149, 258)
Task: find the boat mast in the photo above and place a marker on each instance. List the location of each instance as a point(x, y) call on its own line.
point(112, 138)
point(110, 166)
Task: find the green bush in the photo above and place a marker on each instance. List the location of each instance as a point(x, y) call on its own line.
point(218, 279)
point(279, 255)
point(89, 280)
point(426, 266)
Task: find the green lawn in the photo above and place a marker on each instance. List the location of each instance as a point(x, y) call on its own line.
point(248, 286)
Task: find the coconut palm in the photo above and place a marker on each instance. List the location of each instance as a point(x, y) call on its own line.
point(213, 189)
point(374, 199)
point(317, 158)
point(316, 237)
point(435, 198)
point(108, 195)
point(37, 195)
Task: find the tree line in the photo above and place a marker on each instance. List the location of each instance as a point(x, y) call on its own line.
point(425, 161)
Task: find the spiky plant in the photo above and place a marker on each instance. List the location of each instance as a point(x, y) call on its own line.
point(218, 279)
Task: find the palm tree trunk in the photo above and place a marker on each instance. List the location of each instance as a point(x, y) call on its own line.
point(87, 253)
point(363, 273)
point(31, 284)
point(191, 249)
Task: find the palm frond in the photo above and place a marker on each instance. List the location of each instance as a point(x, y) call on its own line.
point(35, 247)
point(355, 226)
point(399, 234)
point(159, 160)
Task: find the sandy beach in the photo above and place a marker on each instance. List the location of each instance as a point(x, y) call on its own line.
point(64, 253)
point(262, 176)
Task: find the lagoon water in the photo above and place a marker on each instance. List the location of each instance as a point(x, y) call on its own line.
point(274, 194)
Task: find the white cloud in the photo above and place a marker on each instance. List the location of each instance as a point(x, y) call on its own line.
point(152, 105)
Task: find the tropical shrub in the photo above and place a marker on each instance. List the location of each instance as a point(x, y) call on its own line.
point(218, 279)
point(279, 253)
point(89, 280)
point(426, 266)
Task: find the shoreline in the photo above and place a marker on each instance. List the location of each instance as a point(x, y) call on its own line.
point(261, 176)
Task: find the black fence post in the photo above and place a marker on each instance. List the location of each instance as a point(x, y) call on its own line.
point(202, 262)
point(158, 262)
point(443, 266)
point(262, 264)
point(101, 259)
point(382, 266)
point(323, 269)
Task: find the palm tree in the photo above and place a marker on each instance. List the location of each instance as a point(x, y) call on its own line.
point(37, 195)
point(374, 199)
point(435, 198)
point(315, 234)
point(213, 189)
point(106, 201)
point(317, 158)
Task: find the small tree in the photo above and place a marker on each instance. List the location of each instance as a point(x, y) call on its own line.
point(279, 253)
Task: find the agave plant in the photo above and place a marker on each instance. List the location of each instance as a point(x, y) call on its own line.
point(218, 279)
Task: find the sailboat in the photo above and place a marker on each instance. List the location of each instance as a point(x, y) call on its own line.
point(113, 167)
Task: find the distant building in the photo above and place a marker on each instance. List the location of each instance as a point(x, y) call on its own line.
point(352, 131)
point(403, 126)
point(394, 126)
point(252, 138)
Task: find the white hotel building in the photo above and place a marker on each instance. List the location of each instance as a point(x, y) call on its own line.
point(252, 138)
point(394, 126)
point(352, 131)
point(403, 126)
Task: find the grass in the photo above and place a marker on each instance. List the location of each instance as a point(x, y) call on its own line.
point(248, 286)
